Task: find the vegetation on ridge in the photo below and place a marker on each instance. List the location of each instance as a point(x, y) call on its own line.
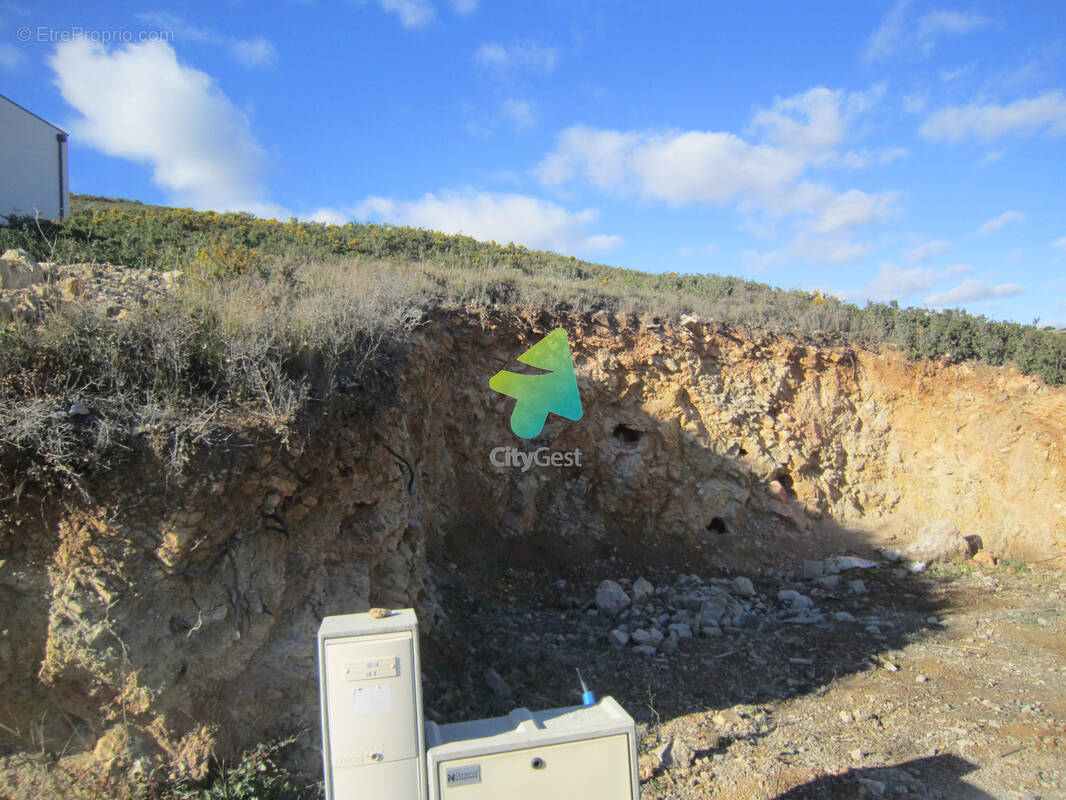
point(273, 317)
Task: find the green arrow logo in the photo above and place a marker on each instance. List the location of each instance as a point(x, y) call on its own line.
point(538, 395)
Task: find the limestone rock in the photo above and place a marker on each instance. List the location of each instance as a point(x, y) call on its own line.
point(794, 599)
point(744, 587)
point(611, 598)
point(497, 684)
point(642, 590)
point(939, 541)
point(19, 270)
point(985, 558)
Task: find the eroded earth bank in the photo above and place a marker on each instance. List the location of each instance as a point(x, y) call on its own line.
point(172, 620)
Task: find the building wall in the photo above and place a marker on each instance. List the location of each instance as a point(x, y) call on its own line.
point(30, 171)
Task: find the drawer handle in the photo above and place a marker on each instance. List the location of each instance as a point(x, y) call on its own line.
point(538, 763)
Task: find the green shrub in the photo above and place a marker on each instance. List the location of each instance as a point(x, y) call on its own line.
point(274, 318)
point(259, 774)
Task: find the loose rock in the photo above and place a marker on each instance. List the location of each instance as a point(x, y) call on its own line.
point(744, 587)
point(19, 270)
point(642, 590)
point(497, 684)
point(794, 599)
point(939, 541)
point(611, 598)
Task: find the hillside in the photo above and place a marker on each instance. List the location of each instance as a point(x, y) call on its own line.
point(215, 430)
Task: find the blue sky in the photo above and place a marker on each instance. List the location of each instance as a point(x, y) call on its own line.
point(901, 150)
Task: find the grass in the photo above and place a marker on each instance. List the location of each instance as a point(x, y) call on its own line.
point(277, 319)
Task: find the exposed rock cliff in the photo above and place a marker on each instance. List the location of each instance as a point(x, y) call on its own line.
point(178, 616)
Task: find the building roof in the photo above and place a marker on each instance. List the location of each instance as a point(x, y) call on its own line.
point(46, 122)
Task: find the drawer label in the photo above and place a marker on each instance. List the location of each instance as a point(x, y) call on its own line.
point(373, 698)
point(462, 776)
point(370, 668)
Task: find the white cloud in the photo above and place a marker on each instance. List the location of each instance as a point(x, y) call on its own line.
point(330, 216)
point(827, 250)
point(1046, 111)
point(884, 41)
point(899, 33)
point(501, 217)
point(1037, 65)
point(925, 251)
point(949, 75)
point(464, 6)
point(991, 157)
point(678, 167)
point(1060, 244)
point(995, 224)
point(854, 208)
point(412, 13)
point(182, 30)
point(890, 154)
point(521, 113)
point(536, 57)
point(815, 122)
point(601, 156)
point(893, 283)
point(718, 168)
point(141, 104)
point(10, 56)
point(951, 23)
point(972, 290)
point(709, 249)
point(254, 53)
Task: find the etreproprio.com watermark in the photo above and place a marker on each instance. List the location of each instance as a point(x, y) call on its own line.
point(541, 457)
point(45, 34)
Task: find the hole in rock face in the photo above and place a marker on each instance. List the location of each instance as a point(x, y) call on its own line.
point(627, 435)
point(742, 452)
point(717, 525)
point(784, 477)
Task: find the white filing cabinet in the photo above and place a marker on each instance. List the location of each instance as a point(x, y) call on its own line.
point(371, 695)
point(582, 752)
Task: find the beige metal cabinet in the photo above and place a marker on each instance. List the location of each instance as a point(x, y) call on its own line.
point(370, 684)
point(584, 752)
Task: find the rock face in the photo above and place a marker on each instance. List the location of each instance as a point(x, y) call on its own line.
point(186, 610)
point(19, 270)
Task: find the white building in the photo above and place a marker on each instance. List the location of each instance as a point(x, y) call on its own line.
point(34, 175)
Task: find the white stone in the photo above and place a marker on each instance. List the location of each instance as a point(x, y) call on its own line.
point(19, 273)
point(641, 636)
point(497, 684)
point(682, 630)
point(642, 590)
point(611, 598)
point(938, 541)
point(743, 587)
point(844, 563)
point(795, 599)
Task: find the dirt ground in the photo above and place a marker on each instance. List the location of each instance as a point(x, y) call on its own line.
point(950, 683)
